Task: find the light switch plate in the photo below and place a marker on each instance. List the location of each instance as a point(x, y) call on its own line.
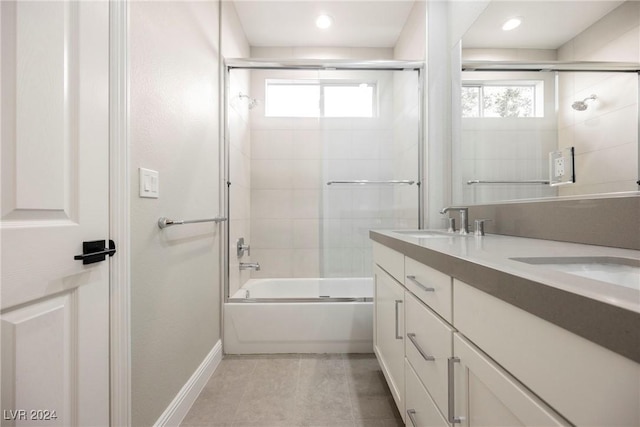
point(149, 183)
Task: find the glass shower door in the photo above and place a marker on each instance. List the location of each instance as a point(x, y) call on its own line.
point(370, 164)
point(317, 158)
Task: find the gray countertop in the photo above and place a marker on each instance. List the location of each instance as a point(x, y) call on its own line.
point(602, 312)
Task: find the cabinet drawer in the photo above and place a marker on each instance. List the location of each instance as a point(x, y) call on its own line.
point(421, 409)
point(437, 294)
point(428, 345)
point(389, 260)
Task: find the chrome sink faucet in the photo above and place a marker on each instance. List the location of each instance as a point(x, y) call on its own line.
point(464, 217)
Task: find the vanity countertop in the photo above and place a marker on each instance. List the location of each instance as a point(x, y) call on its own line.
point(602, 312)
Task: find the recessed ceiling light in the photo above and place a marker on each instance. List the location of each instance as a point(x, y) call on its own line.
point(324, 21)
point(511, 24)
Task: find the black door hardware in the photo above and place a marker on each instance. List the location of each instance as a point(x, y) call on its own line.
point(96, 251)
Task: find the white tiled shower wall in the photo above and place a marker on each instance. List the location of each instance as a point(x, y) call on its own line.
point(300, 226)
point(606, 134)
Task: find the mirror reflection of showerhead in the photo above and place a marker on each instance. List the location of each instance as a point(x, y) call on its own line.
point(582, 105)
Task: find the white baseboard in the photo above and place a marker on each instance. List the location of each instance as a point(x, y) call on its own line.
point(178, 408)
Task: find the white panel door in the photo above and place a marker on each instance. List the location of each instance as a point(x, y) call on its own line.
point(55, 133)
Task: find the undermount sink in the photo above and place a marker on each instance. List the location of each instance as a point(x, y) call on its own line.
point(619, 271)
point(429, 234)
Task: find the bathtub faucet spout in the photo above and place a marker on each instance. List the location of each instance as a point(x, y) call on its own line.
point(250, 266)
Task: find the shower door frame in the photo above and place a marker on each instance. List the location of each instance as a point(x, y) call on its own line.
point(319, 65)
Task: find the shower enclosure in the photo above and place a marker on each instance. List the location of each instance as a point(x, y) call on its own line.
point(317, 155)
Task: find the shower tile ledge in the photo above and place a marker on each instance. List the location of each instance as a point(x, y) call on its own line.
point(601, 312)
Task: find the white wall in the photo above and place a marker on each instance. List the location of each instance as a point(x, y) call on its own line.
point(353, 53)
point(175, 286)
point(413, 37)
point(234, 45)
point(440, 71)
point(509, 54)
point(606, 134)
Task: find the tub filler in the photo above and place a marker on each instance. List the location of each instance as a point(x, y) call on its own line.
point(300, 316)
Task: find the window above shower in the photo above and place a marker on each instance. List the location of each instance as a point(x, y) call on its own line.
point(501, 99)
point(320, 98)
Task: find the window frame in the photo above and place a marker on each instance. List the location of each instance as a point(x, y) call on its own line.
point(538, 106)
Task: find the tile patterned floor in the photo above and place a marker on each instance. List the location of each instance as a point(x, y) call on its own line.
point(296, 390)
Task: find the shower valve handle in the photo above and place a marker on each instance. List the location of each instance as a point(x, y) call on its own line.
point(242, 248)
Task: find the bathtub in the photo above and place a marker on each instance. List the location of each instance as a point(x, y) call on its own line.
point(300, 316)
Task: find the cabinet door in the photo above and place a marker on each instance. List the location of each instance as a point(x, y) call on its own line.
point(422, 411)
point(389, 327)
point(486, 395)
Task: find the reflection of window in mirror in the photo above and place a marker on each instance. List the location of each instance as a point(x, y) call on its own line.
point(505, 99)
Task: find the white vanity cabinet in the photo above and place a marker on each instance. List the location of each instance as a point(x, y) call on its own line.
point(455, 355)
point(389, 332)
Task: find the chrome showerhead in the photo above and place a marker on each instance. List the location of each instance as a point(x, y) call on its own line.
point(252, 102)
point(582, 105)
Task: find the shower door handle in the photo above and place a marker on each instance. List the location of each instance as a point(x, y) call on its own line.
point(398, 302)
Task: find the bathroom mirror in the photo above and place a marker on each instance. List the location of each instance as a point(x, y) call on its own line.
point(508, 116)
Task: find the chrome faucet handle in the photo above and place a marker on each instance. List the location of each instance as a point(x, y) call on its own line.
point(480, 226)
point(451, 224)
point(241, 248)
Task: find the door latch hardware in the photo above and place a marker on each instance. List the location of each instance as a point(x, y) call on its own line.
point(96, 251)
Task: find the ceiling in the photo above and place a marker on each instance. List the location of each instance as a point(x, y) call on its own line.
point(545, 25)
point(357, 23)
point(378, 23)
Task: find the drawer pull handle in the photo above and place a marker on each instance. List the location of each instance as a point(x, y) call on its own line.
point(451, 398)
point(398, 302)
point(412, 414)
point(420, 285)
point(412, 338)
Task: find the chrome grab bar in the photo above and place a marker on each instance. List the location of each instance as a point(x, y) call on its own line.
point(398, 301)
point(411, 413)
point(530, 181)
point(412, 338)
point(166, 222)
point(420, 285)
point(366, 181)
